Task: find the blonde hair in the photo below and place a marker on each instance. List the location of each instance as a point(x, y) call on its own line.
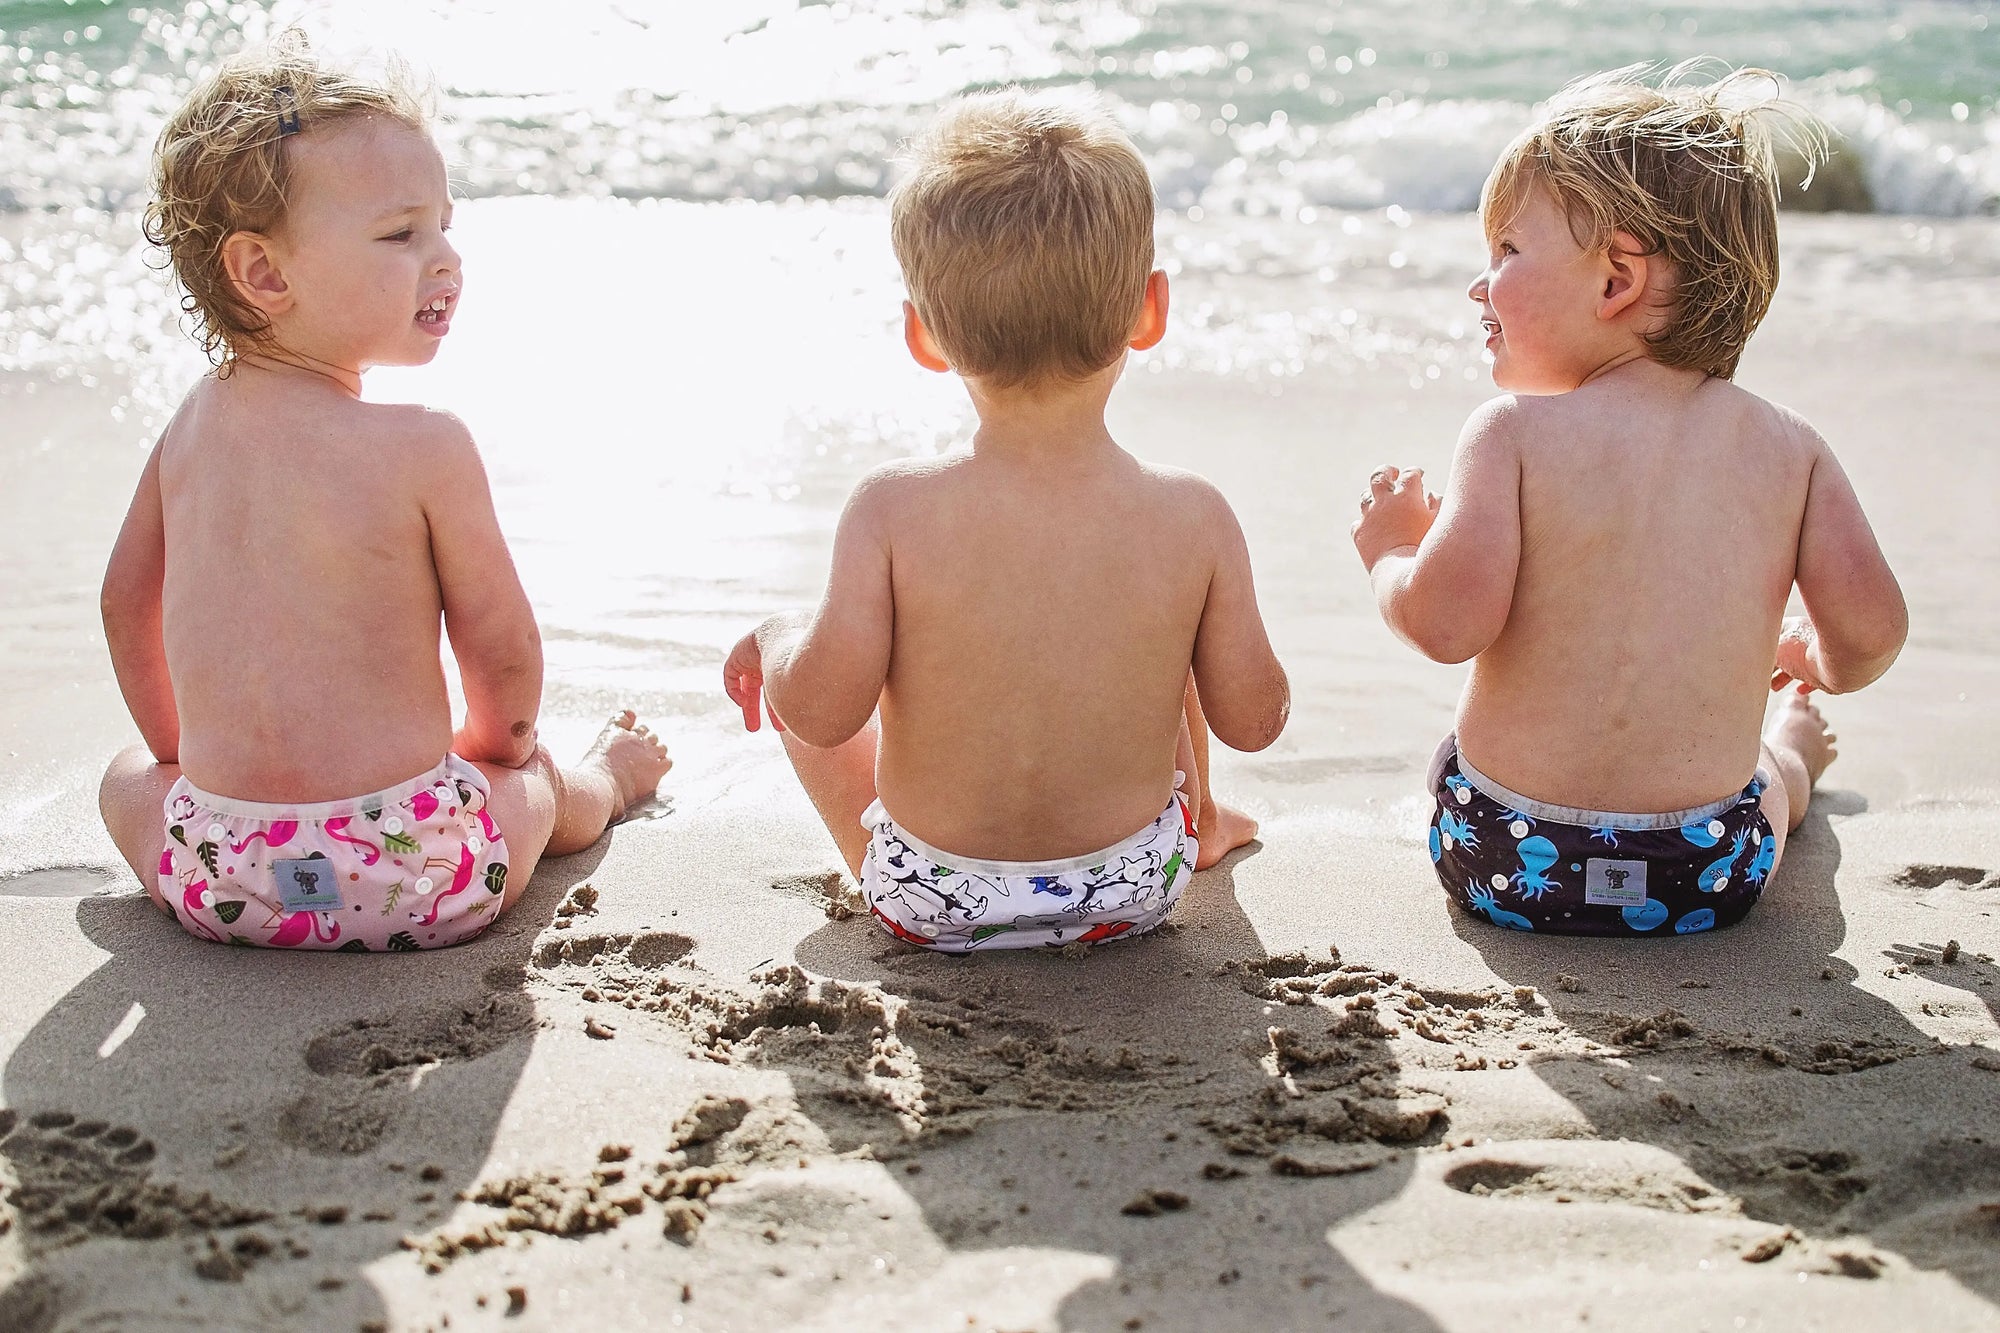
point(1689, 171)
point(222, 166)
point(1025, 233)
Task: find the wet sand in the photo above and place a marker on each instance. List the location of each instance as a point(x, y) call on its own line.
point(703, 1094)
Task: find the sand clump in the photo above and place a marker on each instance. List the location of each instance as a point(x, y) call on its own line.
point(552, 1204)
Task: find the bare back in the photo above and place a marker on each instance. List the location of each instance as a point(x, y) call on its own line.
point(1046, 613)
point(1660, 528)
point(301, 602)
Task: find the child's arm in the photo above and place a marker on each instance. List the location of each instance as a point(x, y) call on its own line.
point(822, 674)
point(133, 620)
point(1241, 685)
point(486, 612)
point(1443, 571)
point(1855, 620)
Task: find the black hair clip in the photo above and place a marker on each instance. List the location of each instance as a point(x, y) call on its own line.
point(288, 111)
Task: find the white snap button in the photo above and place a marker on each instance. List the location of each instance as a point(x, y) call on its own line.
point(392, 825)
point(1446, 839)
point(929, 930)
point(424, 884)
point(205, 898)
point(1464, 796)
point(1519, 828)
point(475, 846)
point(216, 833)
point(1499, 881)
point(1715, 828)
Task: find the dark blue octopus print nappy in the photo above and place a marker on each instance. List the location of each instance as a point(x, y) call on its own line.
point(1526, 865)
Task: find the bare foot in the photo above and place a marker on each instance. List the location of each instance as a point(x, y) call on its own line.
point(1798, 729)
point(631, 756)
point(1221, 830)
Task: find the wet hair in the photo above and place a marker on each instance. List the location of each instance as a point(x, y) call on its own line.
point(1025, 232)
point(1688, 170)
point(223, 165)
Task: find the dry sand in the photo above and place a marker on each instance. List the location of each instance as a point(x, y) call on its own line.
point(701, 1094)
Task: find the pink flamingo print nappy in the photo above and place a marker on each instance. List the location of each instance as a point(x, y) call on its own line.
point(419, 866)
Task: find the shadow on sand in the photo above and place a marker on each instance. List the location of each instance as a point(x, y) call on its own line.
point(1183, 1104)
point(1867, 1132)
point(318, 1140)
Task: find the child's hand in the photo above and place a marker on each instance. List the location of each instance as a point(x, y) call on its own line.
point(1396, 512)
point(1796, 641)
point(743, 681)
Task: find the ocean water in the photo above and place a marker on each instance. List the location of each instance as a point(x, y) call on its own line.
point(1255, 104)
point(680, 340)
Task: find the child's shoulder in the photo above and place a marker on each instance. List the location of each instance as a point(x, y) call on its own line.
point(414, 425)
point(427, 440)
point(1191, 492)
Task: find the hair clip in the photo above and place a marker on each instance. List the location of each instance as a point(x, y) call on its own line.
point(288, 111)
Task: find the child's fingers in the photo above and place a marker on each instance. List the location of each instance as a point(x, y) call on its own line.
point(744, 691)
point(1434, 501)
point(1382, 480)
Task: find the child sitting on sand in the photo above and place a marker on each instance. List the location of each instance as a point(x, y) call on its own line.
point(273, 600)
point(1024, 614)
point(1621, 533)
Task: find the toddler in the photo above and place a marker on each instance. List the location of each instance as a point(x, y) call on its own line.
point(1019, 640)
point(273, 601)
point(1622, 531)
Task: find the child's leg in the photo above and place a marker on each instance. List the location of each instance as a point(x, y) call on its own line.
point(1797, 749)
point(841, 783)
point(545, 809)
point(132, 800)
point(1218, 828)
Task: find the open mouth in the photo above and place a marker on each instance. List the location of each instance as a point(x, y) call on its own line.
point(438, 312)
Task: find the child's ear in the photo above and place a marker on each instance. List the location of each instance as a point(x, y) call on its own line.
point(918, 339)
point(1152, 325)
point(252, 267)
point(1624, 276)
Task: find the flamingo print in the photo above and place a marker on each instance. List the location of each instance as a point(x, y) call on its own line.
point(294, 928)
point(459, 879)
point(337, 830)
point(194, 901)
point(277, 835)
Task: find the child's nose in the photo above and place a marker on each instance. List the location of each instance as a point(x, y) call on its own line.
point(447, 259)
point(1477, 291)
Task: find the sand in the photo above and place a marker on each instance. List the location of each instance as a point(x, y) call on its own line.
point(682, 1085)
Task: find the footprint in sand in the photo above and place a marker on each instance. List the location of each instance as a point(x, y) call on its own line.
point(369, 1066)
point(77, 1178)
point(1597, 1173)
point(61, 882)
point(1925, 877)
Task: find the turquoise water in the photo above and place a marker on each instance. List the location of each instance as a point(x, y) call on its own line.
point(1258, 105)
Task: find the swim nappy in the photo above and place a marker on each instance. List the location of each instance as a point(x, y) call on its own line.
point(1527, 865)
point(957, 903)
point(419, 866)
